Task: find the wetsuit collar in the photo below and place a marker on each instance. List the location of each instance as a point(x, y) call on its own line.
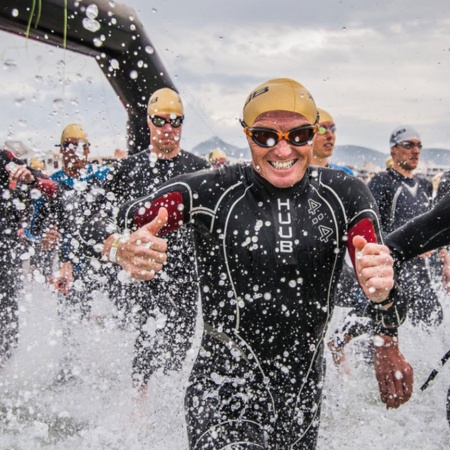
point(296, 189)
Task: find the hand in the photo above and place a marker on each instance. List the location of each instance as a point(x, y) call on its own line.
point(394, 374)
point(22, 174)
point(374, 269)
point(63, 279)
point(141, 254)
point(50, 238)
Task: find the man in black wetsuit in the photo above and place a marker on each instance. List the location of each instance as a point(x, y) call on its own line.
point(270, 240)
point(400, 196)
point(18, 184)
point(165, 310)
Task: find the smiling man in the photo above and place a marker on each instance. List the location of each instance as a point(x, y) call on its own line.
point(270, 239)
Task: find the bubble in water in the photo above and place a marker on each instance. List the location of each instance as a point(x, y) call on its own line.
point(58, 103)
point(149, 49)
point(114, 64)
point(91, 24)
point(38, 79)
point(112, 4)
point(9, 64)
point(92, 11)
point(98, 42)
point(133, 74)
point(19, 101)
point(344, 28)
point(154, 10)
point(15, 12)
point(22, 123)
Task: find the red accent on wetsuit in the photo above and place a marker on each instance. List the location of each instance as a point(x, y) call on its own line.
point(363, 228)
point(46, 186)
point(173, 202)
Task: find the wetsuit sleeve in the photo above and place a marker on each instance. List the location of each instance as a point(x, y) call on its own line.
point(423, 233)
point(176, 198)
point(181, 196)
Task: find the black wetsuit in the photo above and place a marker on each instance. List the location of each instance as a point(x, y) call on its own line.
point(14, 207)
point(426, 232)
point(164, 311)
point(444, 186)
point(268, 262)
point(401, 199)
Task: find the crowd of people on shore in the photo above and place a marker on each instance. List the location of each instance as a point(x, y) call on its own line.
point(270, 247)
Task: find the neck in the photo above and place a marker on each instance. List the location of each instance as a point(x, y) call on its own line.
point(322, 162)
point(161, 154)
point(402, 171)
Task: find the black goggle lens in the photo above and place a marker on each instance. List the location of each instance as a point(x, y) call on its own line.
point(265, 137)
point(161, 121)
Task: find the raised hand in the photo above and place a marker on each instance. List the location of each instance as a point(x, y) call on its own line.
point(142, 253)
point(374, 269)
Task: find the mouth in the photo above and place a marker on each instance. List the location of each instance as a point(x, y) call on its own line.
point(282, 165)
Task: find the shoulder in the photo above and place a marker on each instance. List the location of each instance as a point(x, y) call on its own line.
point(339, 179)
point(345, 169)
point(194, 160)
point(381, 179)
point(58, 176)
point(100, 172)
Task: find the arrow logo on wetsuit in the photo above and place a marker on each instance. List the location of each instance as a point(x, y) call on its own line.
point(313, 206)
point(325, 233)
point(412, 189)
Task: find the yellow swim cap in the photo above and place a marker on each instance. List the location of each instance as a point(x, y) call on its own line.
point(165, 101)
point(217, 155)
point(324, 116)
point(279, 94)
point(74, 131)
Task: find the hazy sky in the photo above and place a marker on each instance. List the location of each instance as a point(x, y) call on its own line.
point(372, 65)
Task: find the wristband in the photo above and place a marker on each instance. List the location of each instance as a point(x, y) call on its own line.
point(114, 249)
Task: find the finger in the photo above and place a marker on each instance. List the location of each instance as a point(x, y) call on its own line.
point(141, 274)
point(375, 249)
point(390, 393)
point(144, 256)
point(359, 242)
point(408, 383)
point(158, 222)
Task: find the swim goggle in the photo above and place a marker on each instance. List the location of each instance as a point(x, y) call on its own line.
point(266, 137)
point(159, 121)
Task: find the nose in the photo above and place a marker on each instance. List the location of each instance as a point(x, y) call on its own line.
point(283, 148)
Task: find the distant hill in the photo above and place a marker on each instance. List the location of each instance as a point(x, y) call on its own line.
point(349, 155)
point(356, 156)
point(204, 148)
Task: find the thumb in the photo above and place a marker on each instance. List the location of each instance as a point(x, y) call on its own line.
point(158, 222)
point(359, 242)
